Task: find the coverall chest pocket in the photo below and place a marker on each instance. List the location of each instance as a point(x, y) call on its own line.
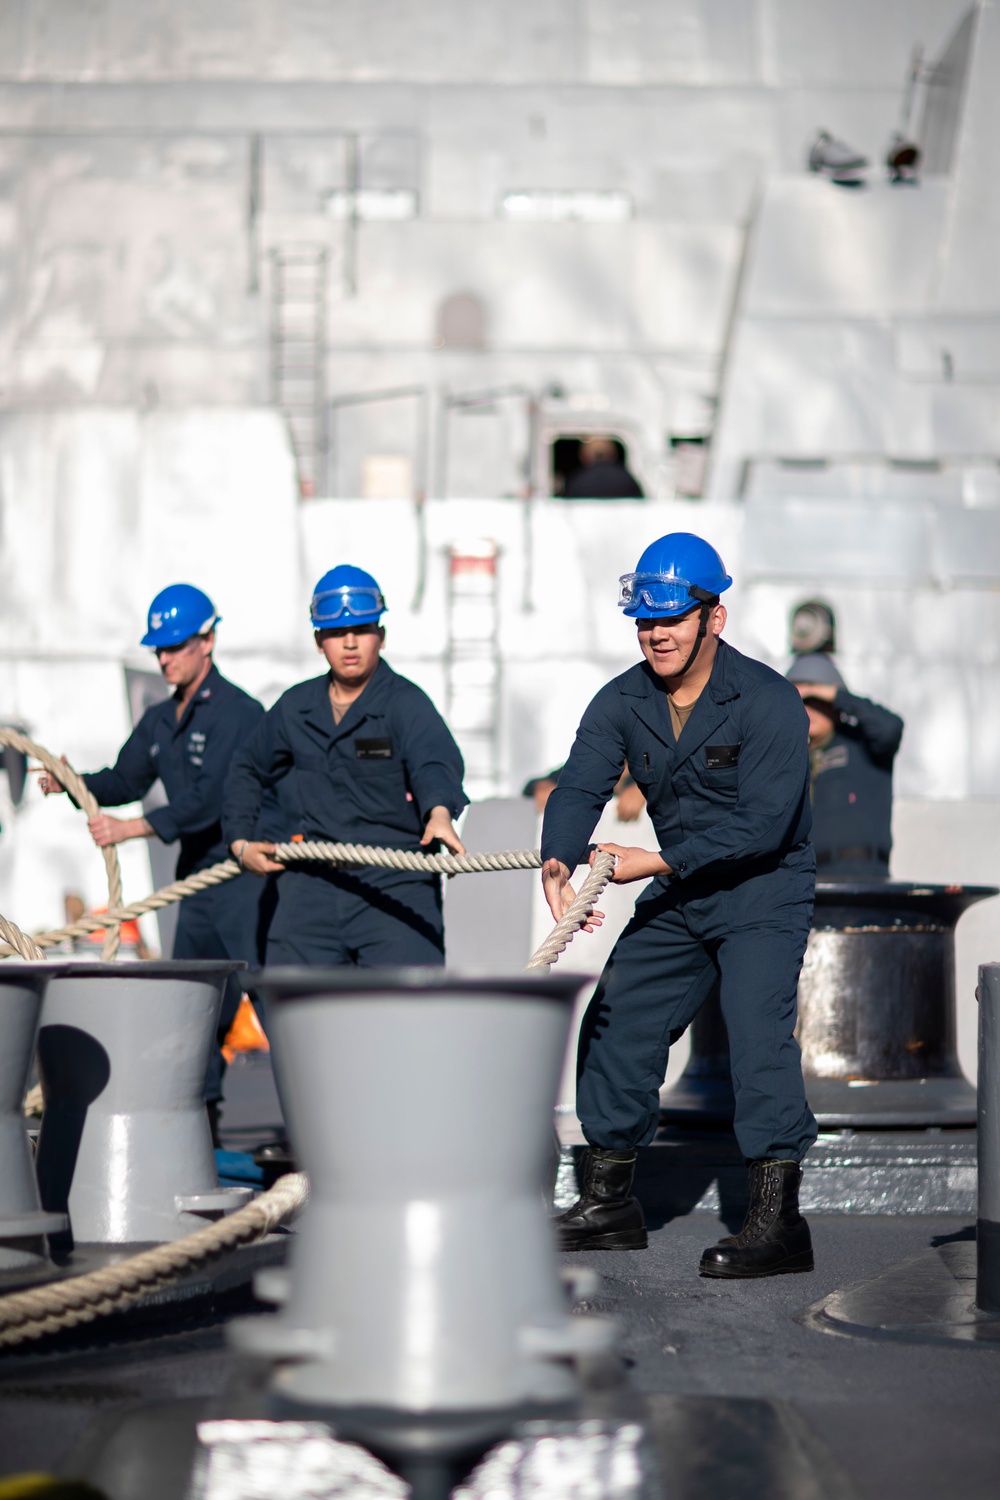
point(377, 773)
point(644, 765)
point(373, 754)
point(719, 772)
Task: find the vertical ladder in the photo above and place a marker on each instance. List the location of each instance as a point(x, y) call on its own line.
point(472, 663)
point(298, 346)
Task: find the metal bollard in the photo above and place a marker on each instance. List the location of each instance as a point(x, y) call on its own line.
point(424, 1303)
point(876, 1014)
point(23, 1223)
point(988, 1142)
point(125, 1144)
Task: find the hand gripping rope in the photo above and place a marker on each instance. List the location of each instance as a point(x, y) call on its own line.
point(46, 1309)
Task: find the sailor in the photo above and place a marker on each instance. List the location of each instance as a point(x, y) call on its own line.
point(368, 760)
point(602, 474)
point(187, 742)
point(852, 746)
point(717, 744)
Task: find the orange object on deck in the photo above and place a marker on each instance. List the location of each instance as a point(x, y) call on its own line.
point(128, 933)
point(246, 1033)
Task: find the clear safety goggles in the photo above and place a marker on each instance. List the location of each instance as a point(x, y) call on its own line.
point(334, 604)
point(660, 591)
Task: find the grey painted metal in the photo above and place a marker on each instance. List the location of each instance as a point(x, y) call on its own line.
point(849, 1172)
point(475, 938)
point(125, 1144)
point(988, 1215)
point(143, 689)
point(925, 1299)
point(424, 1277)
point(23, 1223)
point(876, 1013)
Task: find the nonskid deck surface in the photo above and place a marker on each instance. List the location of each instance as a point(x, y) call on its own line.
point(745, 1399)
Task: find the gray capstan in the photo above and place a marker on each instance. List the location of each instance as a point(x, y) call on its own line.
point(125, 1144)
point(23, 1223)
point(424, 1277)
point(877, 1022)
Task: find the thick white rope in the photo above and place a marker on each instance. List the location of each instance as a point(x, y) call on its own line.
point(348, 855)
point(65, 1304)
point(81, 1299)
point(18, 941)
point(581, 908)
point(77, 787)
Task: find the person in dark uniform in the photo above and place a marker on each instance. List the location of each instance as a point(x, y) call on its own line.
point(602, 475)
point(852, 746)
point(188, 742)
point(717, 744)
point(367, 760)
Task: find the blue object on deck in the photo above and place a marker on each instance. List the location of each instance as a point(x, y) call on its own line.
point(237, 1168)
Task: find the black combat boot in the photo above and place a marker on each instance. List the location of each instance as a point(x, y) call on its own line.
point(775, 1237)
point(605, 1216)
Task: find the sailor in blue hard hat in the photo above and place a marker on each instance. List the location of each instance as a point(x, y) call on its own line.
point(179, 614)
point(717, 743)
point(346, 596)
point(187, 743)
point(369, 761)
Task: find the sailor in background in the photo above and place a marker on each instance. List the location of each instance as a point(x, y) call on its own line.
point(188, 742)
point(602, 474)
point(716, 742)
point(367, 760)
point(852, 746)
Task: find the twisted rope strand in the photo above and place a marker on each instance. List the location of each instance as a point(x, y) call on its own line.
point(296, 853)
point(65, 1304)
point(581, 908)
point(350, 854)
point(165, 896)
point(77, 787)
point(46, 1309)
point(19, 941)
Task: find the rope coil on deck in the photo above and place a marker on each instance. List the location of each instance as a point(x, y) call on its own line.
point(64, 1304)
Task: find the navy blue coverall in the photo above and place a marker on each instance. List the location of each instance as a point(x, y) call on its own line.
point(371, 779)
point(191, 757)
point(730, 806)
point(852, 790)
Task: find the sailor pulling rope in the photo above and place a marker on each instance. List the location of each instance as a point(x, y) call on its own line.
point(29, 1315)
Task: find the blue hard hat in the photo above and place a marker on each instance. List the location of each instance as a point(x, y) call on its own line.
point(346, 596)
point(673, 575)
point(177, 613)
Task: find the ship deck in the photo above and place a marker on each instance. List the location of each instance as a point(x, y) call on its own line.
point(762, 1388)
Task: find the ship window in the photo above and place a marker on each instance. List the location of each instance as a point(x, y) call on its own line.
point(565, 460)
